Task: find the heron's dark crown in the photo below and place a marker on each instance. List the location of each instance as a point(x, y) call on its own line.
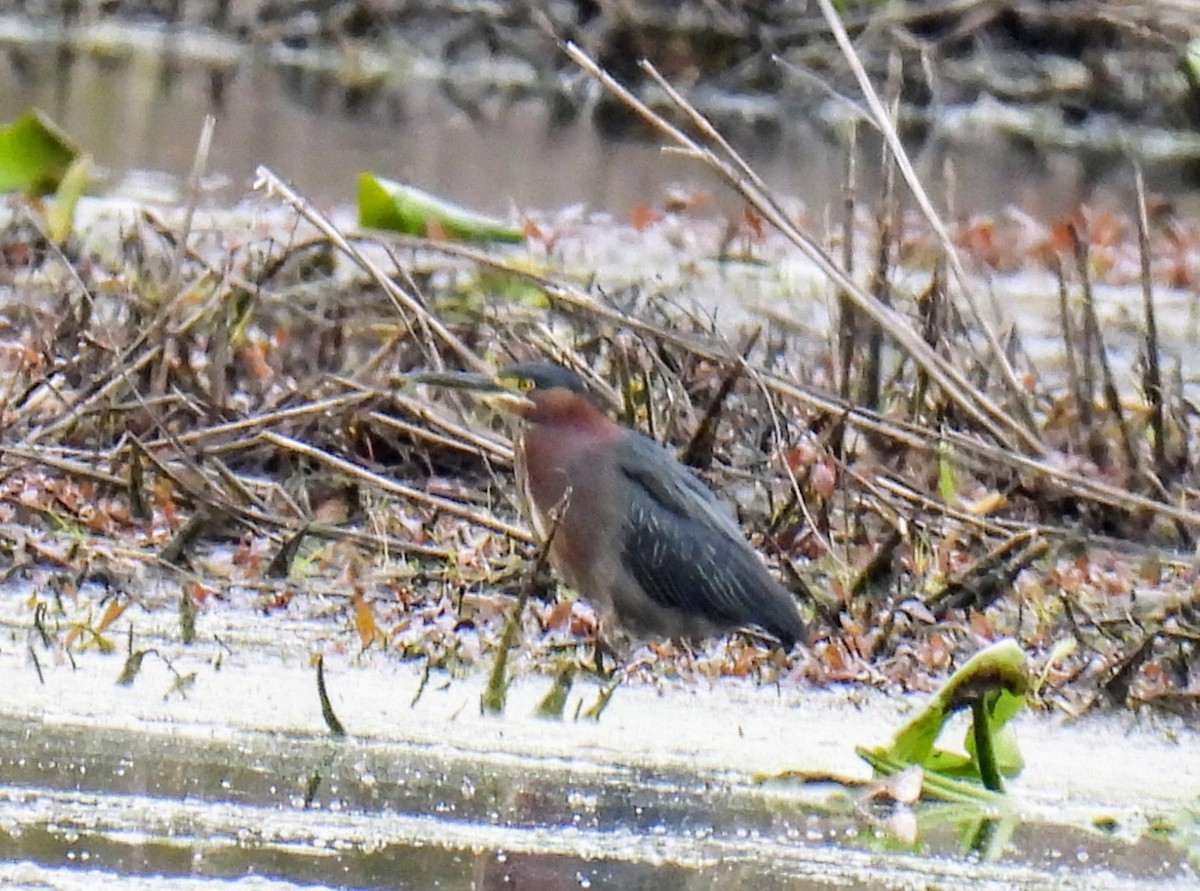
point(543, 376)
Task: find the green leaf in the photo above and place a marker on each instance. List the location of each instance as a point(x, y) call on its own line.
point(133, 664)
point(997, 678)
point(34, 154)
point(386, 204)
point(947, 478)
point(933, 784)
point(555, 700)
point(1191, 60)
point(1001, 705)
point(60, 216)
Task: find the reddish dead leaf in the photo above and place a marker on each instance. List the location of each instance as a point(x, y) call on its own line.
point(19, 253)
point(754, 224)
point(746, 660)
point(978, 238)
point(937, 653)
point(801, 456)
point(1177, 274)
point(833, 657)
point(678, 200)
point(244, 554)
point(642, 216)
point(365, 626)
point(583, 622)
point(1114, 583)
point(115, 511)
point(111, 613)
point(709, 669)
point(22, 357)
point(558, 618)
point(335, 509)
point(168, 520)
point(823, 479)
point(982, 625)
point(278, 600)
point(1104, 228)
point(1153, 680)
point(851, 625)
point(663, 649)
point(1059, 240)
point(532, 230)
point(199, 593)
point(163, 489)
point(254, 355)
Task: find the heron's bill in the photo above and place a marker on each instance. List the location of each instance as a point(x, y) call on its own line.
point(507, 401)
point(453, 380)
point(495, 392)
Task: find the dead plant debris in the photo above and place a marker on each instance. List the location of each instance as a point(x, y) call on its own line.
point(195, 416)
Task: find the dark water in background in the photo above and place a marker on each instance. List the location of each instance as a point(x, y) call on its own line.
point(139, 107)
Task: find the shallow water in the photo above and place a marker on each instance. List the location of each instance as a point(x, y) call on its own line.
point(374, 814)
point(236, 776)
point(491, 137)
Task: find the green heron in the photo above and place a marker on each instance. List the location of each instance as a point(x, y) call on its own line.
point(634, 531)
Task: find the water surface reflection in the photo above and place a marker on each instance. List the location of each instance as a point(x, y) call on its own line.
point(138, 105)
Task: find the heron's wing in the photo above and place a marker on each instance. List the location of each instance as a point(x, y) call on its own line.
point(652, 468)
point(683, 548)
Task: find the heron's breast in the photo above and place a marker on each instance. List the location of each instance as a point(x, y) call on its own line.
point(569, 485)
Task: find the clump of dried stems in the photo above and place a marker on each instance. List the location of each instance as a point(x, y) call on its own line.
point(903, 495)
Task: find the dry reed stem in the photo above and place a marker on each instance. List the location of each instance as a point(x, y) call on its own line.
point(1152, 378)
point(883, 121)
point(967, 449)
point(454, 508)
point(199, 164)
point(1095, 342)
point(408, 306)
point(743, 180)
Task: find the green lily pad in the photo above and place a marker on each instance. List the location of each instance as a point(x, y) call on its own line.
point(397, 207)
point(993, 684)
point(34, 154)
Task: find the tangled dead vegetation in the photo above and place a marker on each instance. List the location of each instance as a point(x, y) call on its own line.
point(196, 410)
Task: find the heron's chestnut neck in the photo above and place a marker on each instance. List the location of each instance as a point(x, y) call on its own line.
point(559, 406)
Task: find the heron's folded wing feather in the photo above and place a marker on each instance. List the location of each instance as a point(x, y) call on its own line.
point(672, 486)
point(682, 564)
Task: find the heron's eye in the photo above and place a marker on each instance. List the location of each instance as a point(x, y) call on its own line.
point(525, 383)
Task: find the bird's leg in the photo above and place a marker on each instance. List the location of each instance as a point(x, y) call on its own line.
point(688, 655)
point(602, 651)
